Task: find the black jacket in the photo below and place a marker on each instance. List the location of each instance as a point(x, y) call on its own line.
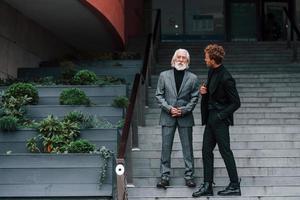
point(224, 95)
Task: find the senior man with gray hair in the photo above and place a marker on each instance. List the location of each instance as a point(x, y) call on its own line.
point(177, 95)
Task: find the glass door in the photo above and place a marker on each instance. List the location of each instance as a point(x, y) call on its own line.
point(243, 21)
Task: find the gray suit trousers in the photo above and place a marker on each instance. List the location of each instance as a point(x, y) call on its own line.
point(186, 138)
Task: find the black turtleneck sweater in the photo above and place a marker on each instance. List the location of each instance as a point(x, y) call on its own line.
point(178, 78)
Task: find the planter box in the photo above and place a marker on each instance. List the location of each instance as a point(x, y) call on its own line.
point(54, 175)
point(125, 69)
point(16, 141)
point(49, 95)
point(39, 112)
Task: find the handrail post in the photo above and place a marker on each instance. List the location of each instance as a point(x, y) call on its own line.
point(121, 180)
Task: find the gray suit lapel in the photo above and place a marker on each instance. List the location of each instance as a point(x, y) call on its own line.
point(172, 80)
point(184, 80)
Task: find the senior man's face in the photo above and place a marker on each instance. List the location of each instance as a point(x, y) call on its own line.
point(181, 58)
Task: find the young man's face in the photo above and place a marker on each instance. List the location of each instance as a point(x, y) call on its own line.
point(209, 62)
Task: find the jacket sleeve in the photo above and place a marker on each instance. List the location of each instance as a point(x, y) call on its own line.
point(194, 99)
point(160, 95)
point(233, 99)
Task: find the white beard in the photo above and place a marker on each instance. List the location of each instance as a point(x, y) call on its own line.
point(180, 67)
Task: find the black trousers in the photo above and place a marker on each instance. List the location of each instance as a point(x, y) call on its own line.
point(217, 132)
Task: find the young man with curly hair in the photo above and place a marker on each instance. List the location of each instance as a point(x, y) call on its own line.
point(219, 101)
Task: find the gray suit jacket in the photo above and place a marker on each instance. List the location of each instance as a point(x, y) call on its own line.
point(186, 99)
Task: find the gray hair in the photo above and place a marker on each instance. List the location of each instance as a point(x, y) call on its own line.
point(175, 55)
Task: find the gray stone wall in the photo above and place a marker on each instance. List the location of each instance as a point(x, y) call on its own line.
point(24, 43)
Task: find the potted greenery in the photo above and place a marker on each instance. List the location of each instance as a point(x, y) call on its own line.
point(73, 96)
point(19, 90)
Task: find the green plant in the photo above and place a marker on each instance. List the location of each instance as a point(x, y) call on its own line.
point(32, 145)
point(80, 146)
point(56, 135)
point(85, 77)
point(8, 123)
point(73, 96)
point(105, 154)
point(120, 124)
point(75, 116)
point(78, 117)
point(101, 123)
point(48, 80)
point(109, 80)
point(50, 126)
point(15, 106)
point(121, 102)
point(19, 90)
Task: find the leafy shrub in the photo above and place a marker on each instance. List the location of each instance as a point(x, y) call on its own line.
point(80, 118)
point(15, 106)
point(120, 124)
point(19, 90)
point(55, 135)
point(85, 77)
point(120, 102)
point(50, 126)
point(73, 96)
point(47, 80)
point(80, 146)
point(75, 116)
point(96, 122)
point(110, 80)
point(8, 123)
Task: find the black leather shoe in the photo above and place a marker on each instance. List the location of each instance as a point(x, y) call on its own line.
point(233, 189)
point(163, 183)
point(205, 190)
point(190, 183)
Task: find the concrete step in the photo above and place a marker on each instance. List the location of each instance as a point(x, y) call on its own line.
point(223, 181)
point(245, 110)
point(248, 191)
point(259, 145)
point(248, 77)
point(219, 172)
point(218, 162)
point(245, 129)
point(216, 198)
point(238, 137)
point(253, 121)
point(258, 94)
point(273, 115)
point(238, 153)
point(153, 103)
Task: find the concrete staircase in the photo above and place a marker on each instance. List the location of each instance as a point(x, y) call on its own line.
point(265, 139)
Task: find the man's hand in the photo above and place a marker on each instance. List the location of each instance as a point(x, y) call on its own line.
point(203, 90)
point(176, 112)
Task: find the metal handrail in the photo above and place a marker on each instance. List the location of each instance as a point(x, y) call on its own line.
point(135, 113)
